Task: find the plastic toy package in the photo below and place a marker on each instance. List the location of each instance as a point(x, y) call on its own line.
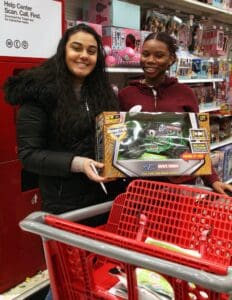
point(153, 144)
point(151, 285)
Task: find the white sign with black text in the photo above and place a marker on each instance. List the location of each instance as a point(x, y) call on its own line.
point(30, 28)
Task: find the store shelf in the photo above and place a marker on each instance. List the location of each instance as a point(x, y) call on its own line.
point(201, 80)
point(191, 6)
point(222, 116)
point(139, 70)
point(221, 144)
point(209, 109)
point(124, 70)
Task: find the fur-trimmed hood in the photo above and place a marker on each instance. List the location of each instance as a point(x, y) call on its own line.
point(27, 86)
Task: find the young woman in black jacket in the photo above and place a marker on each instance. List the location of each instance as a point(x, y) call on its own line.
point(58, 102)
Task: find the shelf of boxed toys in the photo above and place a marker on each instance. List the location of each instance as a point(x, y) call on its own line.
point(222, 143)
point(209, 109)
point(182, 80)
point(193, 6)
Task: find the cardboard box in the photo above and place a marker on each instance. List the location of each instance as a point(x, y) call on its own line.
point(217, 158)
point(96, 27)
point(113, 13)
point(153, 144)
point(227, 167)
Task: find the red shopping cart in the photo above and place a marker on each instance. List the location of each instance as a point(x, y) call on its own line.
point(79, 258)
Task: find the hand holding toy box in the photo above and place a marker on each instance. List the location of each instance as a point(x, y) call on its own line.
point(153, 144)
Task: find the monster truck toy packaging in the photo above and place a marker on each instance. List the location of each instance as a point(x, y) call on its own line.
point(153, 144)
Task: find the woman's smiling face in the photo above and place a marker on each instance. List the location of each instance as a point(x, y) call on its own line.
point(155, 59)
point(81, 54)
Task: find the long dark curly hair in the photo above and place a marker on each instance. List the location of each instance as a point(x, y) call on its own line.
point(95, 90)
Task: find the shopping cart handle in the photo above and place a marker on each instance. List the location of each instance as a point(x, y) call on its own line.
point(87, 212)
point(201, 187)
point(35, 223)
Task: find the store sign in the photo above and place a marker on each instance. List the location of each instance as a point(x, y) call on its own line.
point(29, 28)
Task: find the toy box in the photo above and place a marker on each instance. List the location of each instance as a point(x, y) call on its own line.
point(153, 144)
point(227, 167)
point(205, 94)
point(218, 3)
point(184, 67)
point(123, 45)
point(113, 13)
point(96, 27)
point(217, 158)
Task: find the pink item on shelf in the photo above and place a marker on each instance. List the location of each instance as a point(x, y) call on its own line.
point(110, 61)
point(127, 53)
point(124, 44)
point(137, 57)
point(96, 27)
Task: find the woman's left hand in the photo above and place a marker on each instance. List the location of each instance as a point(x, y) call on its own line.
point(222, 187)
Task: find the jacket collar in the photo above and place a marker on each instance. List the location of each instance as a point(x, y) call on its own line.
point(168, 81)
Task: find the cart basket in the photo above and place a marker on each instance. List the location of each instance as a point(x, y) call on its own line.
point(79, 257)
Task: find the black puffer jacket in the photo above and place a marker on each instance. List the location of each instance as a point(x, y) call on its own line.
point(41, 151)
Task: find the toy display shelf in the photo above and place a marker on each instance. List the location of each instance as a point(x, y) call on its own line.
point(139, 70)
point(196, 7)
point(124, 70)
point(229, 181)
point(201, 80)
point(209, 109)
point(221, 143)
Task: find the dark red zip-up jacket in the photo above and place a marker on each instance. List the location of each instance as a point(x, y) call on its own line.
point(170, 96)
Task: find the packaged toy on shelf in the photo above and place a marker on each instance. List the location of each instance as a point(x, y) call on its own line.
point(206, 95)
point(155, 21)
point(184, 66)
point(228, 4)
point(224, 124)
point(218, 3)
point(96, 27)
point(227, 166)
point(123, 46)
point(217, 158)
point(173, 26)
point(153, 144)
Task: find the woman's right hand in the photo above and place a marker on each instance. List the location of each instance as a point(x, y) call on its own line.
point(84, 165)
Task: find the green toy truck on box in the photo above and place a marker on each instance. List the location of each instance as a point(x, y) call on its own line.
point(153, 144)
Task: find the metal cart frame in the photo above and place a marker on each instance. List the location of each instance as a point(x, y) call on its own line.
point(35, 223)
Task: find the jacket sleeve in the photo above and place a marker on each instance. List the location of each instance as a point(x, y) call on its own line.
point(32, 127)
point(210, 179)
point(123, 99)
point(190, 100)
